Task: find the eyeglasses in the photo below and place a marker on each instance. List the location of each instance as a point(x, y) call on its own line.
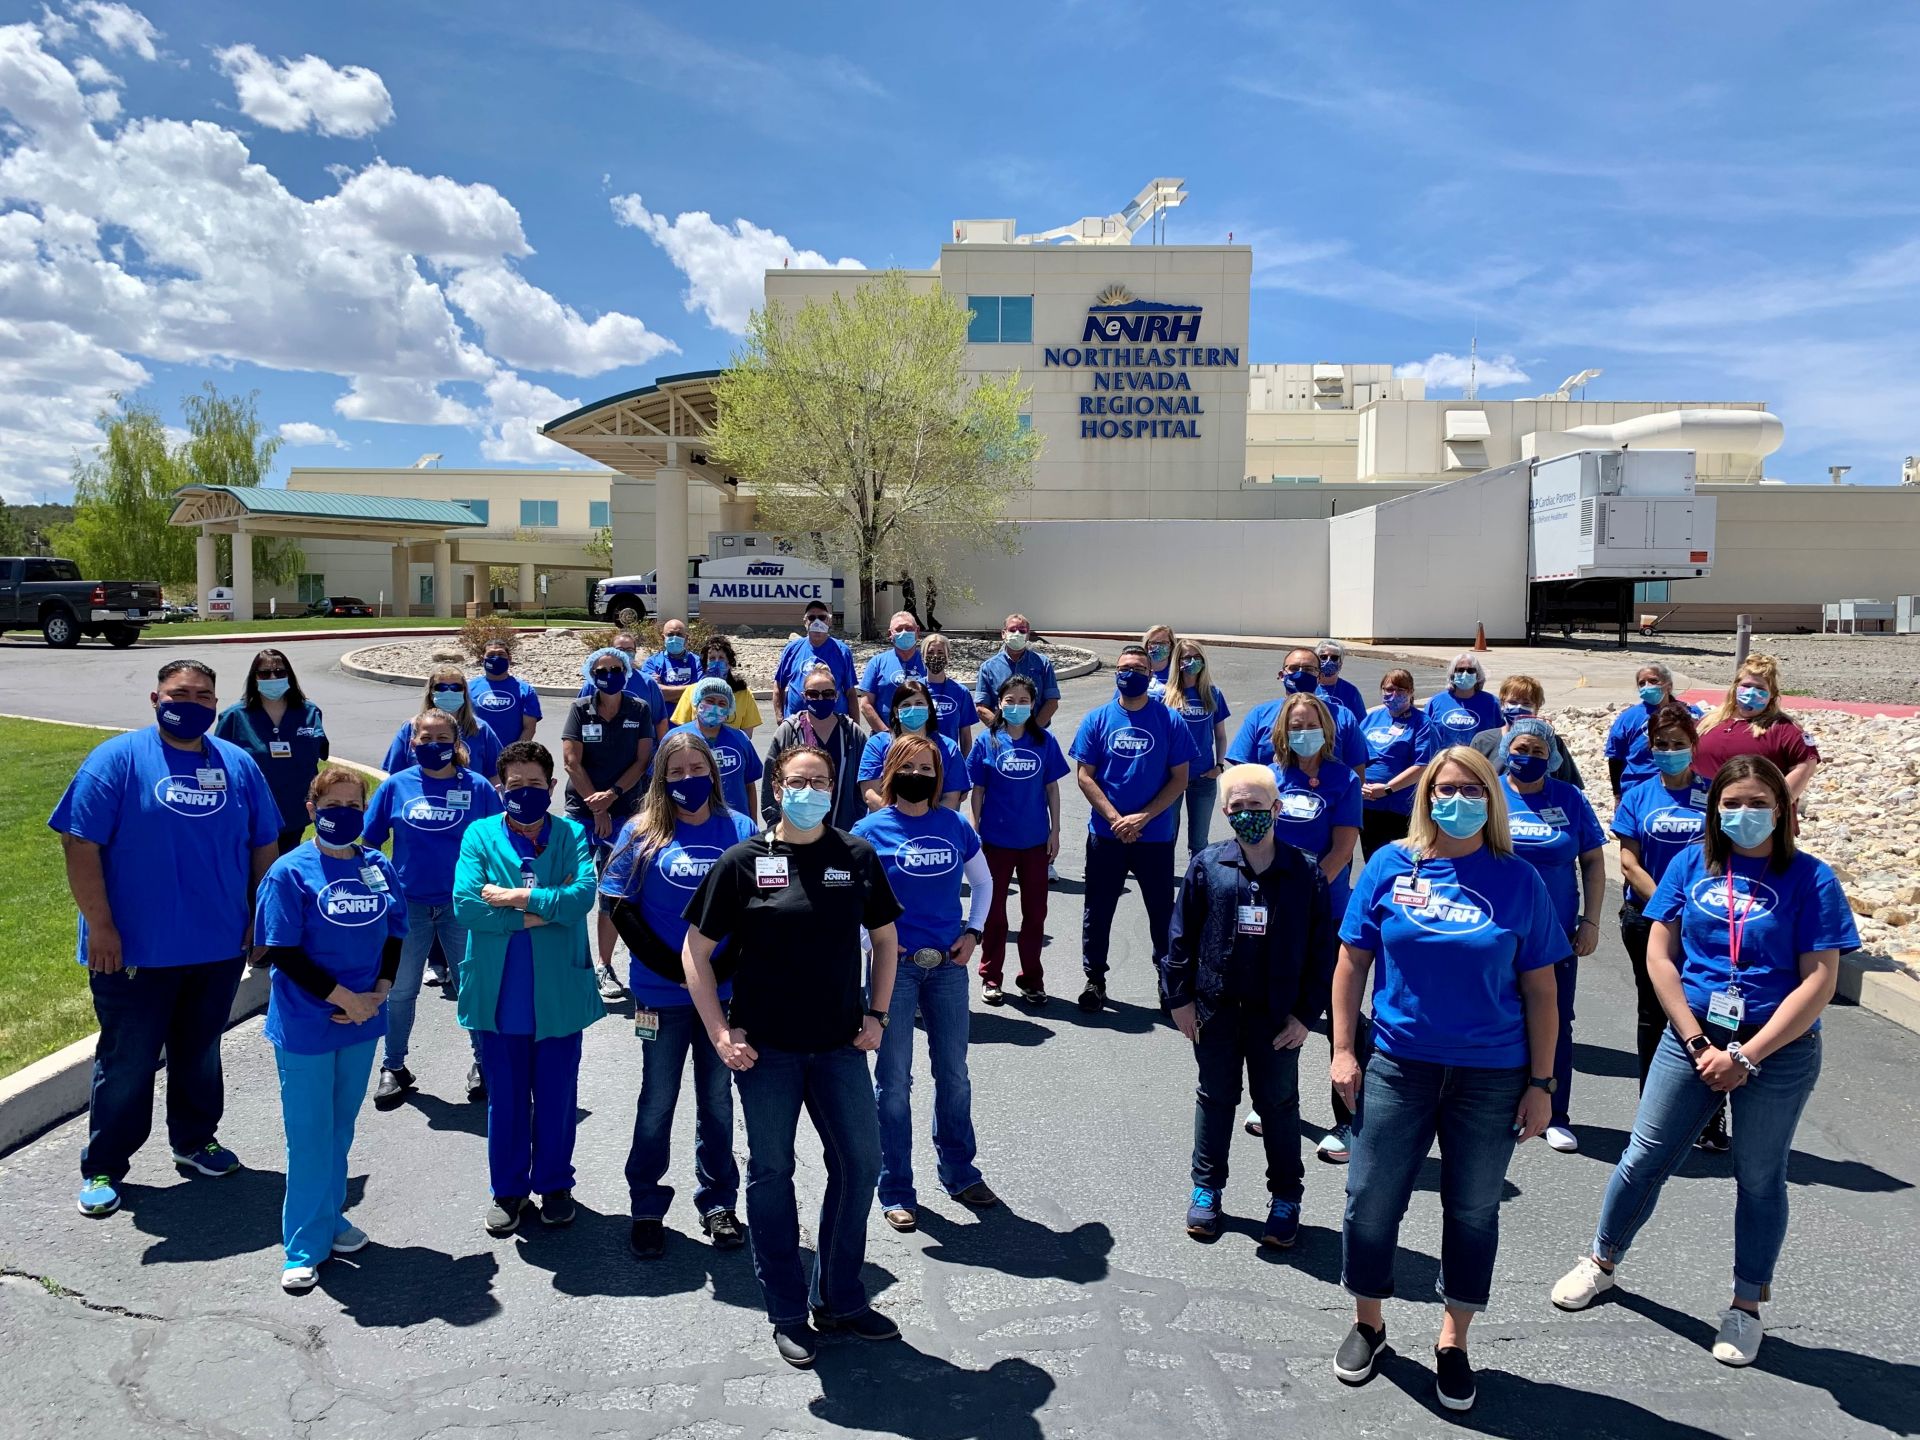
point(273, 674)
point(807, 782)
point(449, 689)
point(823, 694)
point(1465, 792)
point(610, 670)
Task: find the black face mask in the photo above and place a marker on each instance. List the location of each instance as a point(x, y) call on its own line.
point(913, 788)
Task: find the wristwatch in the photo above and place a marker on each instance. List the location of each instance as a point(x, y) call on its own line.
point(1698, 1044)
point(1547, 1083)
point(974, 930)
point(879, 1015)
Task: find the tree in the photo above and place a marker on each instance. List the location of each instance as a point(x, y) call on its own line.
point(14, 539)
point(227, 445)
point(855, 422)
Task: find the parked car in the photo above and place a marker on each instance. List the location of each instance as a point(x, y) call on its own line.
point(170, 611)
point(339, 605)
point(49, 595)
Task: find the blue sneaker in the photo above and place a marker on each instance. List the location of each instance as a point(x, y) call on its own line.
point(98, 1197)
point(213, 1158)
point(1283, 1224)
point(1203, 1215)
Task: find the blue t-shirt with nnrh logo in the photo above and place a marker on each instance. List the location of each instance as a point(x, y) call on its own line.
point(1310, 813)
point(662, 885)
point(427, 815)
point(1131, 753)
point(952, 707)
point(923, 856)
point(502, 704)
point(1663, 821)
point(739, 764)
point(1552, 828)
point(339, 910)
point(1012, 776)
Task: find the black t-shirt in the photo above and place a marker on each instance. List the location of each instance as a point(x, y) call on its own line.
point(607, 747)
point(797, 943)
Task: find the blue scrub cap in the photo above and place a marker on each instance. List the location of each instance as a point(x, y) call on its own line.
point(713, 685)
point(586, 666)
point(1530, 725)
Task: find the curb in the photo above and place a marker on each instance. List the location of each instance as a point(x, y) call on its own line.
point(250, 637)
point(1875, 983)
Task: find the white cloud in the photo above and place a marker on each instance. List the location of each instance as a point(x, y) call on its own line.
point(524, 325)
point(401, 400)
point(306, 93)
point(725, 267)
point(304, 433)
point(53, 382)
point(1446, 371)
point(427, 215)
point(120, 27)
point(89, 71)
point(516, 409)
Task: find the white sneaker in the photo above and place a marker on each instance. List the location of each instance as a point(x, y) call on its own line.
point(298, 1279)
point(1252, 1123)
point(1561, 1138)
point(1053, 872)
point(349, 1240)
point(1582, 1285)
point(1739, 1339)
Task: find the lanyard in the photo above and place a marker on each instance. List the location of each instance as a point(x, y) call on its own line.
point(1736, 926)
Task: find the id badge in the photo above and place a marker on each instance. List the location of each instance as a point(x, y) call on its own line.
point(1554, 816)
point(211, 779)
point(646, 1024)
point(371, 877)
point(770, 872)
point(590, 734)
point(1726, 1008)
point(1412, 894)
point(1253, 919)
point(459, 799)
point(279, 750)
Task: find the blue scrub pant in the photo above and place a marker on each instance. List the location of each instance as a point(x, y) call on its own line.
point(320, 1095)
point(533, 1088)
point(425, 924)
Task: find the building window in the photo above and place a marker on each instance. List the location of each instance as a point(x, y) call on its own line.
point(482, 508)
point(426, 592)
point(1294, 480)
point(599, 514)
point(1000, 320)
point(540, 514)
point(1026, 421)
point(310, 589)
point(1652, 592)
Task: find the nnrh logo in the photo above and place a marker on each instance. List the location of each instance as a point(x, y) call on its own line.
point(1116, 315)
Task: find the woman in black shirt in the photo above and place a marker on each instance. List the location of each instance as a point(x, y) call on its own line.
point(793, 904)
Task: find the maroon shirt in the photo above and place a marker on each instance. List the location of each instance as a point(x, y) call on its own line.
point(1782, 742)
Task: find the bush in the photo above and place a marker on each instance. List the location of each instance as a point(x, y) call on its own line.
point(484, 630)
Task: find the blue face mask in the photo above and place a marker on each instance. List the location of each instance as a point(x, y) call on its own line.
point(1159, 655)
point(675, 644)
point(1192, 665)
point(691, 793)
point(449, 700)
point(609, 682)
point(433, 754)
point(805, 807)
point(1527, 768)
point(275, 689)
point(1306, 742)
point(1672, 762)
point(1465, 680)
point(1300, 682)
point(1395, 700)
point(717, 669)
point(913, 718)
point(712, 716)
point(905, 641)
point(183, 719)
point(1016, 712)
point(1751, 697)
point(497, 665)
point(821, 709)
point(1511, 713)
point(1458, 816)
point(338, 824)
point(1131, 683)
point(1329, 667)
point(1746, 827)
point(527, 803)
point(1651, 695)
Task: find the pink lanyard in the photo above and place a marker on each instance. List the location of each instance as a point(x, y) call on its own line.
point(1736, 927)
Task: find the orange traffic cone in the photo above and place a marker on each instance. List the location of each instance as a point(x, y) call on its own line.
point(1480, 636)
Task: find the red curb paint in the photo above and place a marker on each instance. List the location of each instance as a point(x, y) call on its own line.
point(1809, 702)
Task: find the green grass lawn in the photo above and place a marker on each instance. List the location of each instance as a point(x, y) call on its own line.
point(44, 1002)
point(187, 629)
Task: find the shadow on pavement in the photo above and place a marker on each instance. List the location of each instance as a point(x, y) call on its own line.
point(1416, 1275)
point(1116, 1015)
point(990, 1027)
point(1000, 1239)
point(463, 1117)
point(381, 1287)
point(210, 1218)
point(1605, 1060)
point(898, 1390)
point(1509, 1405)
point(590, 1257)
point(1599, 1142)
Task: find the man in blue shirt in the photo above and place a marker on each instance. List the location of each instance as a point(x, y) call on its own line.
point(1133, 754)
point(673, 666)
point(505, 703)
point(1299, 675)
point(886, 670)
point(1339, 694)
point(1016, 658)
point(167, 832)
point(817, 646)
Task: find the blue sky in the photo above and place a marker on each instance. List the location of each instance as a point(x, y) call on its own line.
point(432, 226)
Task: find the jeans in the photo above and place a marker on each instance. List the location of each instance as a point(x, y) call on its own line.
point(1109, 862)
point(532, 1093)
point(837, 1092)
point(1566, 976)
point(182, 1009)
point(425, 924)
point(320, 1095)
point(663, 1061)
point(1362, 1053)
point(1404, 1104)
point(1240, 1036)
point(1650, 1019)
point(1031, 867)
point(940, 995)
point(1199, 798)
point(1675, 1104)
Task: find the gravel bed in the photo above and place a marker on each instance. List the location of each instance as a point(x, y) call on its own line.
point(1881, 669)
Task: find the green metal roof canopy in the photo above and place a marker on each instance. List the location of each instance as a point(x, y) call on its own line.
point(199, 504)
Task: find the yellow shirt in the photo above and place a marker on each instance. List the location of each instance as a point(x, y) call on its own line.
point(746, 713)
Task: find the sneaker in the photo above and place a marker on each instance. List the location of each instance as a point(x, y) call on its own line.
point(611, 990)
point(299, 1279)
point(212, 1158)
point(1053, 871)
point(350, 1241)
point(1714, 1139)
point(1738, 1342)
point(99, 1197)
point(977, 1196)
point(1582, 1285)
point(476, 1084)
point(1283, 1224)
point(557, 1207)
point(1453, 1377)
point(647, 1239)
point(434, 978)
point(1252, 1124)
point(1336, 1146)
point(1562, 1138)
point(991, 992)
point(1203, 1214)
point(1034, 994)
point(1093, 997)
point(1359, 1354)
point(723, 1228)
point(393, 1087)
point(868, 1324)
point(797, 1344)
point(503, 1214)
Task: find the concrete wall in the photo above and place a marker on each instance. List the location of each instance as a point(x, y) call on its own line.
point(1809, 544)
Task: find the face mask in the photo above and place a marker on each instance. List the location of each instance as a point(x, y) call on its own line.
point(1016, 713)
point(1672, 762)
point(432, 754)
point(1751, 697)
point(1464, 680)
point(1330, 667)
point(676, 644)
point(449, 700)
point(1652, 694)
point(1527, 768)
point(1252, 826)
point(936, 667)
point(274, 689)
point(1306, 742)
point(692, 792)
point(712, 716)
point(1131, 683)
point(1193, 665)
point(805, 807)
point(1511, 713)
point(497, 665)
point(1016, 641)
point(905, 641)
point(1159, 654)
point(183, 719)
point(1300, 682)
point(1395, 700)
point(1746, 827)
point(717, 669)
point(913, 717)
point(913, 788)
point(818, 627)
point(527, 803)
point(338, 824)
point(610, 682)
point(821, 709)
point(1458, 816)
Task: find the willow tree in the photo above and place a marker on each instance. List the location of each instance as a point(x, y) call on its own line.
point(855, 422)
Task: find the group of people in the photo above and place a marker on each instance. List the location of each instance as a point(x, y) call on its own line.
point(776, 933)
